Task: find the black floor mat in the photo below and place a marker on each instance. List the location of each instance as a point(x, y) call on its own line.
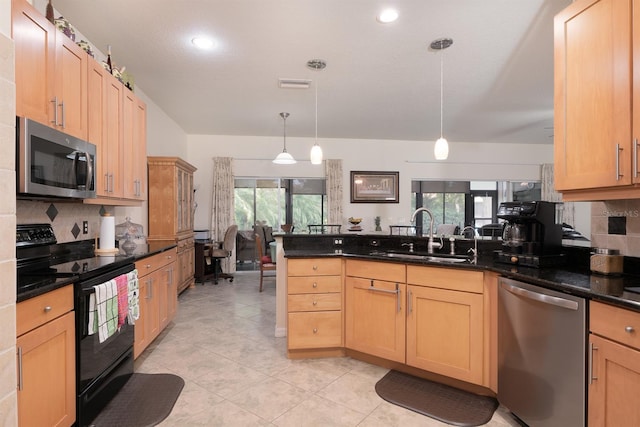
point(144, 401)
point(442, 402)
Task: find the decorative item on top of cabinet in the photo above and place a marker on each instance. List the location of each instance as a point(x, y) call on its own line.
point(614, 366)
point(51, 73)
point(314, 305)
point(597, 116)
point(171, 211)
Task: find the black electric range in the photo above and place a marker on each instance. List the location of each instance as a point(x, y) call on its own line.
point(43, 264)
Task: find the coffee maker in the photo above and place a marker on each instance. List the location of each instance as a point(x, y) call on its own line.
point(531, 237)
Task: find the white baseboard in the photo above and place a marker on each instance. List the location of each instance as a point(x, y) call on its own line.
point(281, 332)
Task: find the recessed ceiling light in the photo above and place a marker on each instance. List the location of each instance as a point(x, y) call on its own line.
point(202, 42)
point(387, 15)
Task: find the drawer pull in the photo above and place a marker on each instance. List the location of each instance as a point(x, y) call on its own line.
point(315, 267)
point(148, 265)
point(315, 285)
point(48, 309)
point(315, 330)
point(315, 302)
point(629, 329)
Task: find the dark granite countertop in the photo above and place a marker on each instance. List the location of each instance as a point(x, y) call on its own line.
point(572, 278)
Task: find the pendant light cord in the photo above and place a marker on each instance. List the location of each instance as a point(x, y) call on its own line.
point(284, 125)
point(316, 112)
point(441, 85)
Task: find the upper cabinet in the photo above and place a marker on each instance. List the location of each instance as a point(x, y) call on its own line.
point(51, 73)
point(596, 134)
point(59, 85)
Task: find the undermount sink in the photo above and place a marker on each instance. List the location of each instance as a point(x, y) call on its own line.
point(429, 257)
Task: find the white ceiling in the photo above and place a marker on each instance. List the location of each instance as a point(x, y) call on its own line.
point(381, 81)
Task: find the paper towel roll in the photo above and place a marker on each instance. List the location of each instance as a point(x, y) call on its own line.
point(108, 232)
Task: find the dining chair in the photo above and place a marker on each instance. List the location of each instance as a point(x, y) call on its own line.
point(266, 263)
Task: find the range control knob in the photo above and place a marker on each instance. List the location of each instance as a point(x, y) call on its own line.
point(514, 259)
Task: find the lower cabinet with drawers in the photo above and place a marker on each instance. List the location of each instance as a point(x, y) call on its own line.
point(46, 359)
point(614, 366)
point(314, 307)
point(157, 279)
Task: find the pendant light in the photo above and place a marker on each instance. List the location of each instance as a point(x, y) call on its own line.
point(441, 149)
point(316, 150)
point(284, 158)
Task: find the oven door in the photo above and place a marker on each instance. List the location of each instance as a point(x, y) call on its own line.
point(102, 368)
point(94, 357)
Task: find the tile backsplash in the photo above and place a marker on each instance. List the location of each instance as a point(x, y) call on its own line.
point(615, 224)
point(66, 218)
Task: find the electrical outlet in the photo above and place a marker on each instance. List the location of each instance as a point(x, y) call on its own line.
point(85, 227)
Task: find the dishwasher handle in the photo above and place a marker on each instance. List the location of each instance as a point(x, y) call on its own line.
point(543, 298)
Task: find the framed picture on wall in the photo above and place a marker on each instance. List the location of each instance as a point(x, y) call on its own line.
point(374, 187)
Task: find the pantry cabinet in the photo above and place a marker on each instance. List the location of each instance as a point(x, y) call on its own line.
point(158, 297)
point(314, 304)
point(51, 73)
point(614, 377)
point(46, 359)
point(596, 100)
point(171, 211)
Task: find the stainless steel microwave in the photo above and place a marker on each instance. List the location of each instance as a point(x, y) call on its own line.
point(51, 163)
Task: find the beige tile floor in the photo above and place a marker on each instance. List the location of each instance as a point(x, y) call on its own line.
point(236, 372)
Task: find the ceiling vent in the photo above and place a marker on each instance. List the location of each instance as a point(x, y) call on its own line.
point(294, 83)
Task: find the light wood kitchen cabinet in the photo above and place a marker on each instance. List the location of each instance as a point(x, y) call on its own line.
point(135, 146)
point(614, 377)
point(375, 316)
point(105, 102)
point(171, 211)
point(445, 327)
point(595, 134)
point(51, 73)
point(46, 359)
point(314, 304)
point(158, 297)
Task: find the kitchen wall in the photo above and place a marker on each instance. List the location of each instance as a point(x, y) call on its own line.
point(616, 225)
point(8, 404)
point(413, 159)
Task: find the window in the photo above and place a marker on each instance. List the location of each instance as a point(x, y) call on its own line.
point(275, 201)
point(456, 202)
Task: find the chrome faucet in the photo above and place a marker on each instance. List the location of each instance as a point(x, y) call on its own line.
point(430, 243)
point(474, 251)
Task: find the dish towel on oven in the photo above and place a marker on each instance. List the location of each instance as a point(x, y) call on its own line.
point(122, 281)
point(133, 301)
point(103, 310)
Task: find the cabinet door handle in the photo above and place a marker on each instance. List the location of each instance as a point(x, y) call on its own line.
point(54, 101)
point(592, 349)
point(387, 291)
point(635, 157)
point(63, 115)
point(106, 182)
point(47, 309)
point(19, 368)
point(629, 329)
point(315, 330)
point(409, 302)
point(618, 150)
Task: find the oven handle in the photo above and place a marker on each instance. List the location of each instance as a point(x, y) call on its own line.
point(546, 299)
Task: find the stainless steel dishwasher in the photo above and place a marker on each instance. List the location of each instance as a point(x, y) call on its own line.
point(541, 354)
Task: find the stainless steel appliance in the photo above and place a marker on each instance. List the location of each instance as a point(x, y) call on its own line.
point(53, 164)
point(101, 368)
point(542, 338)
point(531, 237)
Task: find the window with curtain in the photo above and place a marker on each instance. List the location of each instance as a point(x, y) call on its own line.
point(275, 201)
